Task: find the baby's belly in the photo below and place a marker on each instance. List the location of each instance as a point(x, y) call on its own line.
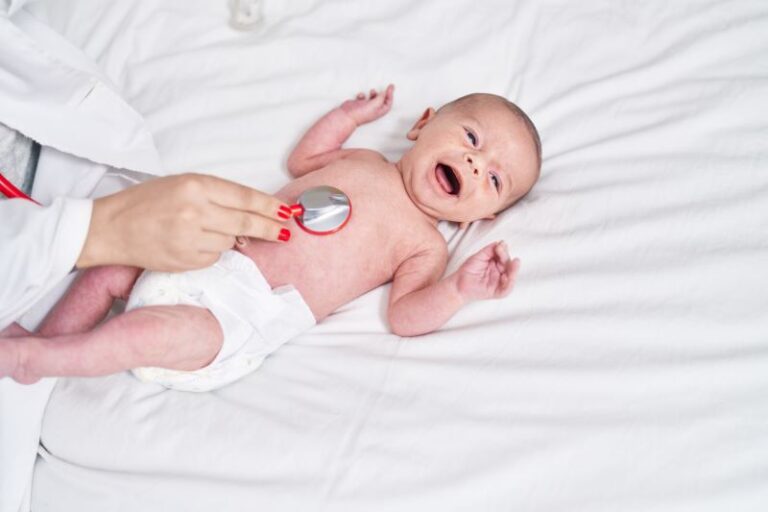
point(328, 271)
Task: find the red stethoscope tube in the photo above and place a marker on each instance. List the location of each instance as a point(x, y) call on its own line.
point(9, 190)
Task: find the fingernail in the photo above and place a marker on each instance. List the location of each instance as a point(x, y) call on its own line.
point(297, 209)
point(284, 212)
point(284, 236)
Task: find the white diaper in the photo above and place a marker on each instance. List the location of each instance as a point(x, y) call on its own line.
point(255, 319)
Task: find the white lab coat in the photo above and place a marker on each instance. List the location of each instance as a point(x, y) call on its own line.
point(53, 93)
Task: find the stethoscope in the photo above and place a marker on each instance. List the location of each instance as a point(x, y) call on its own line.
point(322, 210)
point(9, 190)
point(319, 210)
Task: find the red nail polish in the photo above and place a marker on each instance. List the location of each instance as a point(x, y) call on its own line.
point(284, 212)
point(297, 209)
point(284, 236)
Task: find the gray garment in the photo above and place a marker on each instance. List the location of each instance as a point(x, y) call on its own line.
point(18, 158)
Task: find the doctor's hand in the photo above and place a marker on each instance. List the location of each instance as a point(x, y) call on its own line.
point(178, 223)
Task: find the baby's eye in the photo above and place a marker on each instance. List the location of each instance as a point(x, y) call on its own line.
point(471, 137)
point(496, 182)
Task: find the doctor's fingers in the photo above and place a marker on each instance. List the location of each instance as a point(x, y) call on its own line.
point(229, 194)
point(227, 221)
point(209, 241)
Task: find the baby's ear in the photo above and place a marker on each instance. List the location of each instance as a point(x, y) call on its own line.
point(423, 120)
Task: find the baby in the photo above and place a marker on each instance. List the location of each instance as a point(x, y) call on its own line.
point(202, 329)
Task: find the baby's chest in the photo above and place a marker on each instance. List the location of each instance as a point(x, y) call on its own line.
point(374, 241)
point(368, 249)
point(383, 226)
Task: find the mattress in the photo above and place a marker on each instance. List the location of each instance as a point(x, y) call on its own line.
point(628, 370)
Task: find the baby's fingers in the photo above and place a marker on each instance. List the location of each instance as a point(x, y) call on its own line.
point(507, 279)
point(513, 267)
point(383, 101)
point(388, 94)
point(501, 252)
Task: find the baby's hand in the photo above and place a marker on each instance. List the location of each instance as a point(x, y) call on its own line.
point(488, 274)
point(364, 110)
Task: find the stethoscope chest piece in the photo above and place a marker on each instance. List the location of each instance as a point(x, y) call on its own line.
point(322, 210)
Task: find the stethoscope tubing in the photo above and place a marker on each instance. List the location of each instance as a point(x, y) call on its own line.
point(10, 191)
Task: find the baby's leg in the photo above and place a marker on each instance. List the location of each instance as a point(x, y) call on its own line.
point(85, 304)
point(14, 330)
point(89, 299)
point(175, 337)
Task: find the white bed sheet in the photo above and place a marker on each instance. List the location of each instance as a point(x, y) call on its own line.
point(629, 368)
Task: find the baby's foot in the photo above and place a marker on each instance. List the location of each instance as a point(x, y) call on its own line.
point(12, 361)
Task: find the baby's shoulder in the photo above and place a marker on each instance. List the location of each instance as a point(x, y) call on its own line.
point(429, 242)
point(360, 154)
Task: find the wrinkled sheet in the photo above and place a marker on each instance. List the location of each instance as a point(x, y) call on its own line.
point(627, 371)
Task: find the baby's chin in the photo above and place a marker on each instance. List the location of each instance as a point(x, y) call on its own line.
point(463, 220)
point(440, 212)
point(444, 213)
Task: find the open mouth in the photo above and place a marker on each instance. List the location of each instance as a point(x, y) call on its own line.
point(448, 179)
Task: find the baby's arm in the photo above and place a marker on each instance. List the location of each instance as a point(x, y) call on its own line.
point(421, 302)
point(322, 143)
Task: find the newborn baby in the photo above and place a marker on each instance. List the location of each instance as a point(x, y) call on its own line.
point(202, 329)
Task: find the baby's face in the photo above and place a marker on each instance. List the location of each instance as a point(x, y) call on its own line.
point(469, 161)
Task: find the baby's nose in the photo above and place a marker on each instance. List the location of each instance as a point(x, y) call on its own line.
point(474, 164)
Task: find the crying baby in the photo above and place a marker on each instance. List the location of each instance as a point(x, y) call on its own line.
point(203, 329)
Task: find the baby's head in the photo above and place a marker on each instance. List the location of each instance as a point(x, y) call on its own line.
point(471, 159)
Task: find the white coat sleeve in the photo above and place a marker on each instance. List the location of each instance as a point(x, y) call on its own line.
point(52, 93)
point(38, 248)
point(9, 7)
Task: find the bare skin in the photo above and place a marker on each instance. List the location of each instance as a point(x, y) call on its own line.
point(468, 162)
